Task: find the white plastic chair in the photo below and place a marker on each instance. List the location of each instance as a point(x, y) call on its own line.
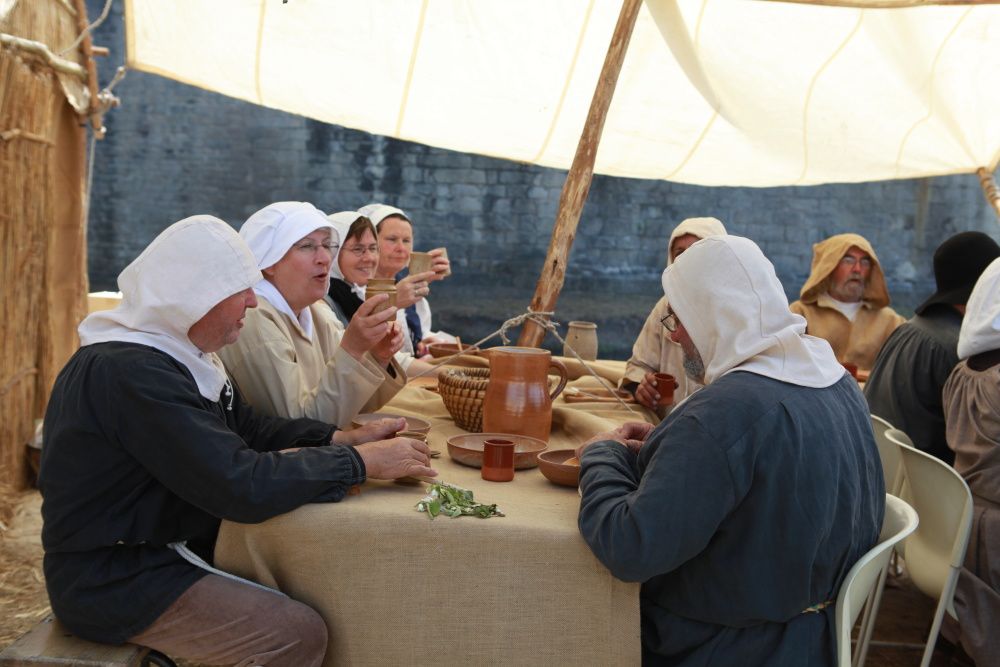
point(892, 440)
point(936, 550)
point(900, 520)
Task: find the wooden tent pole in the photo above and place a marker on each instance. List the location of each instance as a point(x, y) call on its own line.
point(989, 188)
point(577, 185)
point(87, 47)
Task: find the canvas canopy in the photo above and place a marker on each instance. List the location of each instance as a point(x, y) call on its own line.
point(712, 92)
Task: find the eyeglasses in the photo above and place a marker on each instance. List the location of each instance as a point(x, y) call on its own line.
point(669, 321)
point(360, 250)
point(851, 260)
point(311, 248)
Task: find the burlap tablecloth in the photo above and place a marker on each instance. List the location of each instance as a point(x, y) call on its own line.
point(397, 588)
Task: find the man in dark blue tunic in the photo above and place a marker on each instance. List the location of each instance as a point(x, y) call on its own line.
point(148, 446)
point(744, 509)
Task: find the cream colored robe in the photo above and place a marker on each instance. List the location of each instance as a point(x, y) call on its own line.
point(856, 342)
point(281, 372)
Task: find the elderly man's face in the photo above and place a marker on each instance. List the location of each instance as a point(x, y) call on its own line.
point(221, 325)
point(694, 365)
point(849, 278)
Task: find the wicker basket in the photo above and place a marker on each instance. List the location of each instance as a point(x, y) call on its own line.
point(463, 391)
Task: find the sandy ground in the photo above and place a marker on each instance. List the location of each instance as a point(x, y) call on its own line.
point(900, 632)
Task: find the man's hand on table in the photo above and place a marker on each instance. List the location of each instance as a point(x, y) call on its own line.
point(629, 434)
point(395, 458)
point(380, 429)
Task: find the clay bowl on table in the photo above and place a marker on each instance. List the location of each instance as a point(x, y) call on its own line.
point(468, 449)
point(553, 465)
point(441, 350)
point(412, 423)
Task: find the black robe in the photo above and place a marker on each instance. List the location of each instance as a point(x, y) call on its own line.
point(135, 458)
point(746, 505)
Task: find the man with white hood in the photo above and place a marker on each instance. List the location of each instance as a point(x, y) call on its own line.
point(653, 351)
point(971, 408)
point(148, 446)
point(744, 509)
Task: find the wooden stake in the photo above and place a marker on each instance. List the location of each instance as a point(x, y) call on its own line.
point(86, 46)
point(990, 190)
point(577, 185)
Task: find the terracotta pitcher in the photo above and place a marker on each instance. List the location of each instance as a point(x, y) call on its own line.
point(517, 398)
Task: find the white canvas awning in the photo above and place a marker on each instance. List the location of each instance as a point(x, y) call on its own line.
point(712, 92)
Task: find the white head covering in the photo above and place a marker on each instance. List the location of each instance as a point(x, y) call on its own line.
point(727, 296)
point(700, 227)
point(379, 212)
point(270, 233)
point(981, 324)
point(189, 268)
point(341, 223)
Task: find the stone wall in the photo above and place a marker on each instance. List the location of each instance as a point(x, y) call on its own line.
point(173, 151)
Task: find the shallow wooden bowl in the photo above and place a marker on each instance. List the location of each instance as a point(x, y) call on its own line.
point(412, 423)
point(468, 449)
point(552, 466)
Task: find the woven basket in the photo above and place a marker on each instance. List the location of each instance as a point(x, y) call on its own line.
point(463, 391)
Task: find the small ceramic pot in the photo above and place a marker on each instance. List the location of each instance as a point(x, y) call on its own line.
point(498, 460)
point(582, 337)
point(377, 286)
point(420, 262)
point(665, 385)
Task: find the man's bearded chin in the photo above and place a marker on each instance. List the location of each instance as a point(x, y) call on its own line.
point(694, 367)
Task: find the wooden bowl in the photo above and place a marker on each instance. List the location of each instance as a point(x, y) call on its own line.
point(468, 449)
point(441, 350)
point(552, 466)
point(412, 423)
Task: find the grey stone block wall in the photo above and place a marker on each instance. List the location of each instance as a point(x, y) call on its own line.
point(173, 151)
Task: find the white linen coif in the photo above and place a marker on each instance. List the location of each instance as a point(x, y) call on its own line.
point(726, 294)
point(379, 212)
point(341, 223)
point(981, 324)
point(271, 232)
point(185, 272)
point(700, 227)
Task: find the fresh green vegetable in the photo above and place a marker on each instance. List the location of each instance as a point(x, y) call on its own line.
point(454, 501)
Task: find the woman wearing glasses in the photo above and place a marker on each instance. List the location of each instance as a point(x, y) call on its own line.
point(294, 357)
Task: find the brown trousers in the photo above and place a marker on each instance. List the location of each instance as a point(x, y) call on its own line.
point(223, 622)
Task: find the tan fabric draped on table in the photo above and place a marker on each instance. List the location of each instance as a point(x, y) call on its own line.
point(397, 588)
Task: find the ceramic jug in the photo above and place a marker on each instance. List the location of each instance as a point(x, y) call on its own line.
point(582, 337)
point(517, 398)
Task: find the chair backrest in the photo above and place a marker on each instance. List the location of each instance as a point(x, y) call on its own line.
point(888, 452)
point(934, 553)
point(900, 520)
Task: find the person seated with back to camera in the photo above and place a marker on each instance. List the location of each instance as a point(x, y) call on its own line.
point(294, 358)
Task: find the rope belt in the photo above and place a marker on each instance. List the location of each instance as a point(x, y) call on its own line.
point(817, 608)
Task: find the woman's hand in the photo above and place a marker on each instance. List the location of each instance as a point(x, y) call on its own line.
point(413, 288)
point(379, 429)
point(366, 329)
point(440, 264)
point(384, 350)
point(395, 458)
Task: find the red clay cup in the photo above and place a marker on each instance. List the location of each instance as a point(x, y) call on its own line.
point(665, 385)
point(498, 460)
point(852, 369)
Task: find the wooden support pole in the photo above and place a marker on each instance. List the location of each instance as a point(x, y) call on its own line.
point(87, 46)
point(581, 173)
point(990, 190)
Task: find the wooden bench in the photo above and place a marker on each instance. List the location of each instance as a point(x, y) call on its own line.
point(49, 643)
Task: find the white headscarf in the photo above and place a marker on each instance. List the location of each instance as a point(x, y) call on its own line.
point(189, 268)
point(700, 227)
point(981, 324)
point(379, 212)
point(725, 292)
point(341, 223)
point(270, 233)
